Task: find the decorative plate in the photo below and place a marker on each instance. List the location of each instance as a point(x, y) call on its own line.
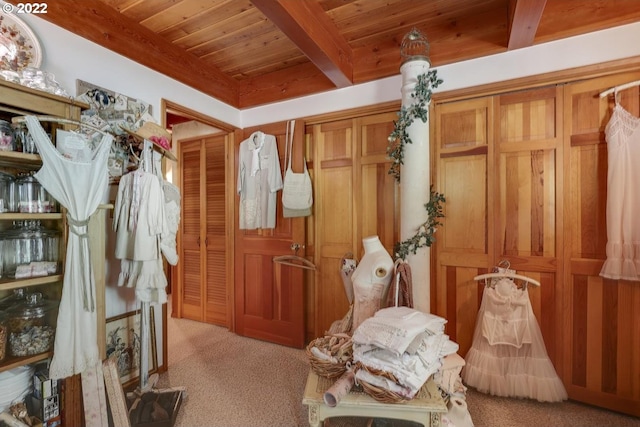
point(19, 47)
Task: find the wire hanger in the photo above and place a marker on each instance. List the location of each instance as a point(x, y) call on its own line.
point(618, 88)
point(295, 260)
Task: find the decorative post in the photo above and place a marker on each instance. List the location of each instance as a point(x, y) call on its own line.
point(415, 182)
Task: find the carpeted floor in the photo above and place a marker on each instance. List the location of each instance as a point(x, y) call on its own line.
point(232, 381)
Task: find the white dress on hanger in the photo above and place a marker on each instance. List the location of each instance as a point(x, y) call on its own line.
point(517, 364)
point(623, 199)
point(79, 187)
point(140, 222)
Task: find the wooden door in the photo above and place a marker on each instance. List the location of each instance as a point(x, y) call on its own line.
point(191, 260)
point(601, 316)
point(205, 255)
point(269, 298)
point(357, 199)
point(498, 166)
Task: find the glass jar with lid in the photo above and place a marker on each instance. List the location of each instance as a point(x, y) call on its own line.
point(30, 250)
point(7, 192)
point(30, 326)
point(6, 136)
point(32, 197)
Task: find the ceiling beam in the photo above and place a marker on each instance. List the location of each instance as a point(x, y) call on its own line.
point(101, 24)
point(307, 25)
point(524, 20)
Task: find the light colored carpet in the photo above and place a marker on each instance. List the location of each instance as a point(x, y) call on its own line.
point(233, 381)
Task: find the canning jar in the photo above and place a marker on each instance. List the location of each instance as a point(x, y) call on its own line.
point(30, 250)
point(6, 136)
point(32, 197)
point(7, 192)
point(30, 330)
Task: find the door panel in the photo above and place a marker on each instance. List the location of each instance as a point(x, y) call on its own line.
point(602, 357)
point(269, 298)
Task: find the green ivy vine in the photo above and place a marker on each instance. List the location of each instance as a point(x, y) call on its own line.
point(397, 141)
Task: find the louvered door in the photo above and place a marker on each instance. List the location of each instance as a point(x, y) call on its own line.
point(204, 237)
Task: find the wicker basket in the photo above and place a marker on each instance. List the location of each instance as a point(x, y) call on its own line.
point(340, 348)
point(378, 393)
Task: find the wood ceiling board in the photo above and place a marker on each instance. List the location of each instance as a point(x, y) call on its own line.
point(214, 23)
point(178, 14)
point(569, 18)
point(142, 9)
point(97, 22)
point(309, 28)
point(290, 83)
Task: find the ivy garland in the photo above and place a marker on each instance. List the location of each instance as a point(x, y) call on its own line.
point(397, 140)
point(419, 109)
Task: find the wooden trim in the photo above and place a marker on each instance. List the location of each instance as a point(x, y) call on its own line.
point(352, 113)
point(170, 106)
point(539, 80)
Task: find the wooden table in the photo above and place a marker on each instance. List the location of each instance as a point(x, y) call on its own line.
point(426, 408)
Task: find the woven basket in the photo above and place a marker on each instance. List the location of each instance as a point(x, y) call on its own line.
point(326, 368)
point(379, 394)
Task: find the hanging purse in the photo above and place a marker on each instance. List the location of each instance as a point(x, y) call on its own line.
point(297, 192)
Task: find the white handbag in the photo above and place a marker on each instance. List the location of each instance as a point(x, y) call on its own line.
point(297, 191)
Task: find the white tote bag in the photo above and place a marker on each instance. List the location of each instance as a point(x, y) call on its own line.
point(297, 192)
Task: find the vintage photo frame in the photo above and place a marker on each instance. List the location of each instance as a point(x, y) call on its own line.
point(123, 344)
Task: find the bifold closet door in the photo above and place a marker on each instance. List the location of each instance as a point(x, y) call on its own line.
point(601, 316)
point(204, 252)
point(499, 166)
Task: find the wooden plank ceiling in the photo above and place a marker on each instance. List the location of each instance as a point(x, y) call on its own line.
point(247, 53)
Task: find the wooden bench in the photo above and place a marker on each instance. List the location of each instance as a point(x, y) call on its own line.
point(426, 408)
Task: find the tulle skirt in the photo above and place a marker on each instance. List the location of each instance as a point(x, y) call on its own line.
point(508, 371)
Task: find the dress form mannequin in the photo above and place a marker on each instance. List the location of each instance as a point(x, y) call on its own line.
point(371, 280)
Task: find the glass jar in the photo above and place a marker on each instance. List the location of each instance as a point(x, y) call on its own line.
point(6, 136)
point(30, 250)
point(22, 139)
point(7, 192)
point(32, 197)
point(30, 330)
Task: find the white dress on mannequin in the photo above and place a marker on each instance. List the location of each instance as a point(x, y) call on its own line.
point(79, 187)
point(371, 280)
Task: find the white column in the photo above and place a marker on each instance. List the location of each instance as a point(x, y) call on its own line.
point(414, 187)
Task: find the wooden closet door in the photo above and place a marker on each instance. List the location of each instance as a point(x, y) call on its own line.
point(269, 297)
point(356, 199)
point(218, 231)
point(205, 255)
point(191, 260)
point(498, 166)
point(601, 316)
point(463, 249)
point(527, 201)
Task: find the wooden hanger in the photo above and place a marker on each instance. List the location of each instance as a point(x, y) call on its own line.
point(508, 276)
point(294, 261)
point(21, 119)
point(620, 87)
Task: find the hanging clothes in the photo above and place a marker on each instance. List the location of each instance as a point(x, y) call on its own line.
point(516, 364)
point(140, 222)
point(79, 187)
point(623, 200)
point(259, 179)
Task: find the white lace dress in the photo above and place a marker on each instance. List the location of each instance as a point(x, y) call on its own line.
point(623, 198)
point(508, 356)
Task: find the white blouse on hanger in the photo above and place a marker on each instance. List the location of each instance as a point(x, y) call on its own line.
point(259, 179)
